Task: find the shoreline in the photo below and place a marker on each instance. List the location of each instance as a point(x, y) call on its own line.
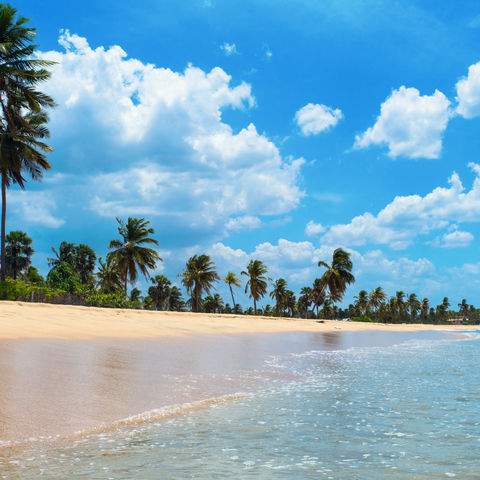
point(22, 320)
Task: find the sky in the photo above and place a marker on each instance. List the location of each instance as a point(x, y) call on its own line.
point(267, 129)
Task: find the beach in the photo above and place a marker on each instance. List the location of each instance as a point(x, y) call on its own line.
point(72, 372)
point(33, 320)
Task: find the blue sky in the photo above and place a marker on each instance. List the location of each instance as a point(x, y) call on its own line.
point(267, 129)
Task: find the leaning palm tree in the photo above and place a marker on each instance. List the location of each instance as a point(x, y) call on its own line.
point(232, 279)
point(18, 252)
point(256, 285)
point(22, 121)
point(338, 274)
point(109, 279)
point(198, 276)
point(279, 294)
point(130, 253)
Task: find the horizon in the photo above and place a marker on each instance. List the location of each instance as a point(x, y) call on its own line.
point(265, 139)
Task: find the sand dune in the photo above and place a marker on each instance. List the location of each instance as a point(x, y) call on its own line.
point(29, 320)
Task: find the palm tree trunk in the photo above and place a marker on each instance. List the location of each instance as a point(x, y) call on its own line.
point(4, 218)
point(196, 298)
point(254, 306)
point(233, 300)
point(125, 285)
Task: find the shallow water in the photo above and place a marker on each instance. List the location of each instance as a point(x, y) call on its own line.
point(372, 411)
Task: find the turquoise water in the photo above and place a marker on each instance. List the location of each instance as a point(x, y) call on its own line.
point(407, 411)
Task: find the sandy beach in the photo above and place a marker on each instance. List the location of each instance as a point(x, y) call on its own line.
point(66, 369)
point(30, 320)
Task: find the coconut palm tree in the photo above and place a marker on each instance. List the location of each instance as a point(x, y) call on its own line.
point(361, 302)
point(130, 253)
point(256, 285)
point(18, 252)
point(232, 279)
point(22, 123)
point(290, 302)
point(160, 291)
point(109, 279)
point(424, 307)
point(318, 293)
point(463, 308)
point(400, 303)
point(413, 305)
point(376, 298)
point(337, 275)
point(279, 293)
point(305, 300)
point(198, 276)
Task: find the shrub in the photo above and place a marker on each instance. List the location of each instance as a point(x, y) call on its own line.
point(361, 319)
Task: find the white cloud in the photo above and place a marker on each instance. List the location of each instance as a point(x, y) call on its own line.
point(32, 207)
point(314, 118)
point(313, 228)
point(229, 49)
point(157, 142)
point(246, 222)
point(454, 239)
point(297, 262)
point(406, 217)
point(468, 93)
point(410, 124)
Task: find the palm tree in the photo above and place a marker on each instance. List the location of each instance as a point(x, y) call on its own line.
point(338, 274)
point(400, 302)
point(413, 305)
point(160, 291)
point(256, 285)
point(376, 298)
point(18, 252)
point(424, 307)
point(130, 254)
point(22, 123)
point(305, 300)
point(279, 294)
point(108, 276)
point(393, 307)
point(232, 279)
point(198, 276)
point(463, 308)
point(362, 302)
point(318, 293)
point(290, 302)
point(65, 253)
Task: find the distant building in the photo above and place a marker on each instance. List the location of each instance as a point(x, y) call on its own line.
point(457, 321)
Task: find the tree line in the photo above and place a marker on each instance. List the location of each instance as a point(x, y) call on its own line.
point(77, 270)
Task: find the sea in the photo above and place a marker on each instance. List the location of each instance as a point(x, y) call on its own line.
point(349, 405)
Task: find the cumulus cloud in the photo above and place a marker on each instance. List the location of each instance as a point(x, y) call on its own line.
point(35, 208)
point(468, 93)
point(314, 118)
point(157, 144)
point(454, 239)
point(406, 217)
point(246, 222)
point(298, 263)
point(229, 49)
point(409, 124)
point(313, 228)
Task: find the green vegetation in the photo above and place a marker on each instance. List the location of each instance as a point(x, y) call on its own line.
point(23, 120)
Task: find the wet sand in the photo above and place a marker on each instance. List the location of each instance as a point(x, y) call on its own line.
point(58, 387)
point(64, 369)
